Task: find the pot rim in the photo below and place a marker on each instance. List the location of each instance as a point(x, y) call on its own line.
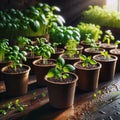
point(115, 58)
point(43, 65)
point(111, 51)
point(87, 50)
point(98, 67)
point(62, 83)
point(23, 65)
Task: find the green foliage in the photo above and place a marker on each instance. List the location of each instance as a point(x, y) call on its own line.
point(108, 37)
point(102, 16)
point(22, 42)
point(61, 34)
point(106, 55)
point(61, 70)
point(89, 28)
point(15, 55)
point(87, 60)
point(94, 46)
point(4, 48)
point(32, 21)
point(71, 48)
point(45, 51)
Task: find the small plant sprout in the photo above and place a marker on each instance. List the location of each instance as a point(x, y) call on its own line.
point(22, 41)
point(87, 60)
point(117, 42)
point(71, 48)
point(88, 40)
point(95, 46)
point(61, 70)
point(105, 54)
point(16, 55)
point(3, 112)
point(45, 51)
point(42, 41)
point(108, 37)
point(54, 45)
point(4, 48)
point(19, 106)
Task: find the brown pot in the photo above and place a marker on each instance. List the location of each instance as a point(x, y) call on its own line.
point(41, 70)
point(116, 52)
point(92, 51)
point(29, 62)
point(61, 94)
point(107, 71)
point(108, 47)
point(3, 64)
point(87, 78)
point(57, 53)
point(69, 60)
point(16, 83)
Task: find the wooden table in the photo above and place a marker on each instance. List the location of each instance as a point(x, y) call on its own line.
point(102, 104)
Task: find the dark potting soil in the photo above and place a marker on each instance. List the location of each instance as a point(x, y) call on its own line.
point(104, 58)
point(61, 80)
point(18, 70)
point(49, 62)
point(87, 67)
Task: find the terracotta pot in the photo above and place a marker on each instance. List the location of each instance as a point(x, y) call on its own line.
point(69, 60)
point(41, 70)
point(61, 94)
point(57, 53)
point(108, 47)
point(16, 83)
point(3, 64)
point(87, 78)
point(92, 51)
point(107, 71)
point(116, 52)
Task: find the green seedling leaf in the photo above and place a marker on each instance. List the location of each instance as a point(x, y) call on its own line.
point(43, 94)
point(68, 68)
point(83, 57)
point(35, 25)
point(65, 76)
point(53, 72)
point(56, 8)
point(61, 61)
point(117, 42)
point(93, 62)
point(3, 112)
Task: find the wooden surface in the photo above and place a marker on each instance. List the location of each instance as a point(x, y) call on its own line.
point(105, 106)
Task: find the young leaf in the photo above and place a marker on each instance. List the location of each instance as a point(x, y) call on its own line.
point(68, 68)
point(82, 57)
point(61, 61)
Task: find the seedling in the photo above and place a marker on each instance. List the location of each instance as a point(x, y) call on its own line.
point(22, 41)
point(108, 37)
point(106, 55)
point(45, 51)
point(15, 55)
point(42, 41)
point(4, 48)
point(71, 48)
point(34, 50)
point(19, 106)
point(61, 70)
point(54, 45)
point(87, 60)
point(88, 39)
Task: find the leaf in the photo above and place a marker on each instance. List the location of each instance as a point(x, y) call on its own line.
point(117, 42)
point(60, 61)
point(68, 68)
point(83, 57)
point(56, 8)
point(65, 76)
point(35, 25)
point(93, 62)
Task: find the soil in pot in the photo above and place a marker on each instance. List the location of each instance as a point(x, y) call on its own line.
point(87, 77)
point(57, 53)
point(70, 60)
point(108, 47)
point(116, 52)
point(61, 93)
point(16, 82)
point(107, 71)
point(41, 70)
point(92, 51)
